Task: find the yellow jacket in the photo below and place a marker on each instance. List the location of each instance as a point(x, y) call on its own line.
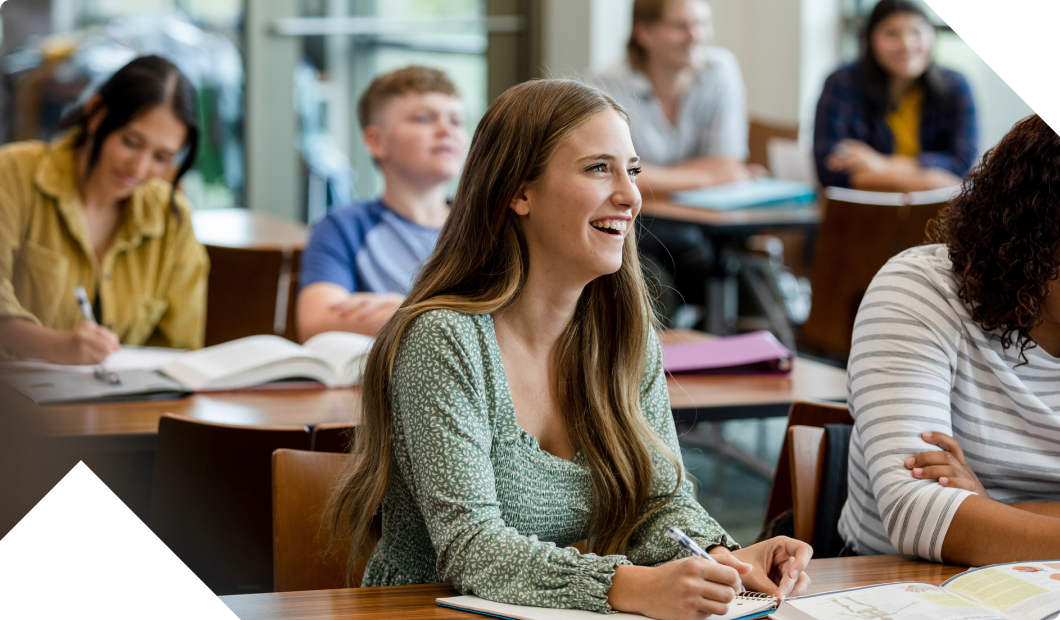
point(152, 280)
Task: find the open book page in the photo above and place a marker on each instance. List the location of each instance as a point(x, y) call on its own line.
point(904, 600)
point(742, 607)
point(246, 362)
point(346, 353)
point(1023, 590)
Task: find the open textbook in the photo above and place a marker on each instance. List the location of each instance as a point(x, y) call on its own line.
point(1016, 591)
point(334, 359)
point(745, 606)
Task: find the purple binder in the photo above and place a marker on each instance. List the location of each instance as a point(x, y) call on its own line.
point(757, 352)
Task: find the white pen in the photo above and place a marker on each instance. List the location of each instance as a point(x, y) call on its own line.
point(106, 376)
point(690, 546)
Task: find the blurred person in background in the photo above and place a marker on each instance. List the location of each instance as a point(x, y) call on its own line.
point(687, 107)
point(98, 208)
point(894, 121)
point(362, 260)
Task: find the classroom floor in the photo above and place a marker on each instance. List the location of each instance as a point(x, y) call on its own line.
point(739, 501)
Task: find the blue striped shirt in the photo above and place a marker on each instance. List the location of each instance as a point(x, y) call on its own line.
point(366, 247)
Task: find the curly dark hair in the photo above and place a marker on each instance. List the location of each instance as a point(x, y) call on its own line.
point(1003, 232)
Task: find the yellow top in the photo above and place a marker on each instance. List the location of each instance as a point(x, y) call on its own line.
point(904, 122)
point(152, 280)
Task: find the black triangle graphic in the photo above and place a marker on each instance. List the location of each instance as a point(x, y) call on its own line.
point(1017, 40)
point(82, 552)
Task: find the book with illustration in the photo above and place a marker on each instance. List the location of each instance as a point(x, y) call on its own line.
point(1015, 591)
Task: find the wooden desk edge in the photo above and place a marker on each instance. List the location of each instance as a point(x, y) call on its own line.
point(418, 601)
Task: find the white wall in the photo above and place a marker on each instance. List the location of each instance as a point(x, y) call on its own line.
point(581, 36)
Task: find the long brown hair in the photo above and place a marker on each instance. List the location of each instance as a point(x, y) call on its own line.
point(479, 267)
point(644, 12)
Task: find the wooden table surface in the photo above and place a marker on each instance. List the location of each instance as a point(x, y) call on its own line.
point(778, 216)
point(808, 380)
point(308, 407)
point(700, 394)
point(417, 602)
point(246, 229)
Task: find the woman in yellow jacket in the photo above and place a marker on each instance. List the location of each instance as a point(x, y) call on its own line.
point(97, 208)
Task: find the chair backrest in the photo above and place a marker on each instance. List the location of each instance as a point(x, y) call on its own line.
point(211, 500)
point(804, 413)
point(255, 260)
point(238, 306)
point(302, 558)
point(859, 233)
point(818, 484)
point(806, 453)
point(333, 437)
point(759, 133)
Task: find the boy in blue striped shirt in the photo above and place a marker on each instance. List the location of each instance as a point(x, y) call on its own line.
point(361, 260)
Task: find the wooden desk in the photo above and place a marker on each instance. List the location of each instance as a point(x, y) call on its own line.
point(417, 602)
point(729, 230)
point(729, 397)
point(700, 397)
point(306, 407)
point(245, 229)
point(806, 216)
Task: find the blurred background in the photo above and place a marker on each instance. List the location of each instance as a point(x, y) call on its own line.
point(278, 82)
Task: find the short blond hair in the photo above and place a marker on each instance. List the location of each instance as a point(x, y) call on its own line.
point(414, 79)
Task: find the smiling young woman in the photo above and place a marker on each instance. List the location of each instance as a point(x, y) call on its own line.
point(98, 208)
point(895, 121)
point(516, 404)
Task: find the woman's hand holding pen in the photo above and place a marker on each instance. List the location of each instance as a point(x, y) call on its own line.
point(687, 589)
point(87, 343)
point(778, 566)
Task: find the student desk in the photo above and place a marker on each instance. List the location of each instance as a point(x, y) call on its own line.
point(417, 602)
point(693, 398)
point(118, 439)
point(730, 229)
point(716, 398)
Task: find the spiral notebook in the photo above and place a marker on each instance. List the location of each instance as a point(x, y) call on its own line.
point(747, 605)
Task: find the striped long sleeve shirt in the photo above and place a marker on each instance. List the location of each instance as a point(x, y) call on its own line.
point(919, 363)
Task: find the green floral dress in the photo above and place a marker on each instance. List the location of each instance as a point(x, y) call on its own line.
point(474, 501)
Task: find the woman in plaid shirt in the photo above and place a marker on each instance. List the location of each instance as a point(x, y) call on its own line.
point(894, 121)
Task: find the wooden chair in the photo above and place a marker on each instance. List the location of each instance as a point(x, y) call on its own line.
point(333, 437)
point(802, 413)
point(302, 558)
point(760, 132)
point(254, 265)
point(859, 233)
point(806, 449)
point(211, 500)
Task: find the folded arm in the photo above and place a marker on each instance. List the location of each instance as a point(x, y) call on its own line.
point(328, 307)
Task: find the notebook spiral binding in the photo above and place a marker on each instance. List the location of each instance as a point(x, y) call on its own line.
point(756, 596)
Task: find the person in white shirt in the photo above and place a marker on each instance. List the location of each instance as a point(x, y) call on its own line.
point(688, 118)
point(954, 375)
point(685, 98)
